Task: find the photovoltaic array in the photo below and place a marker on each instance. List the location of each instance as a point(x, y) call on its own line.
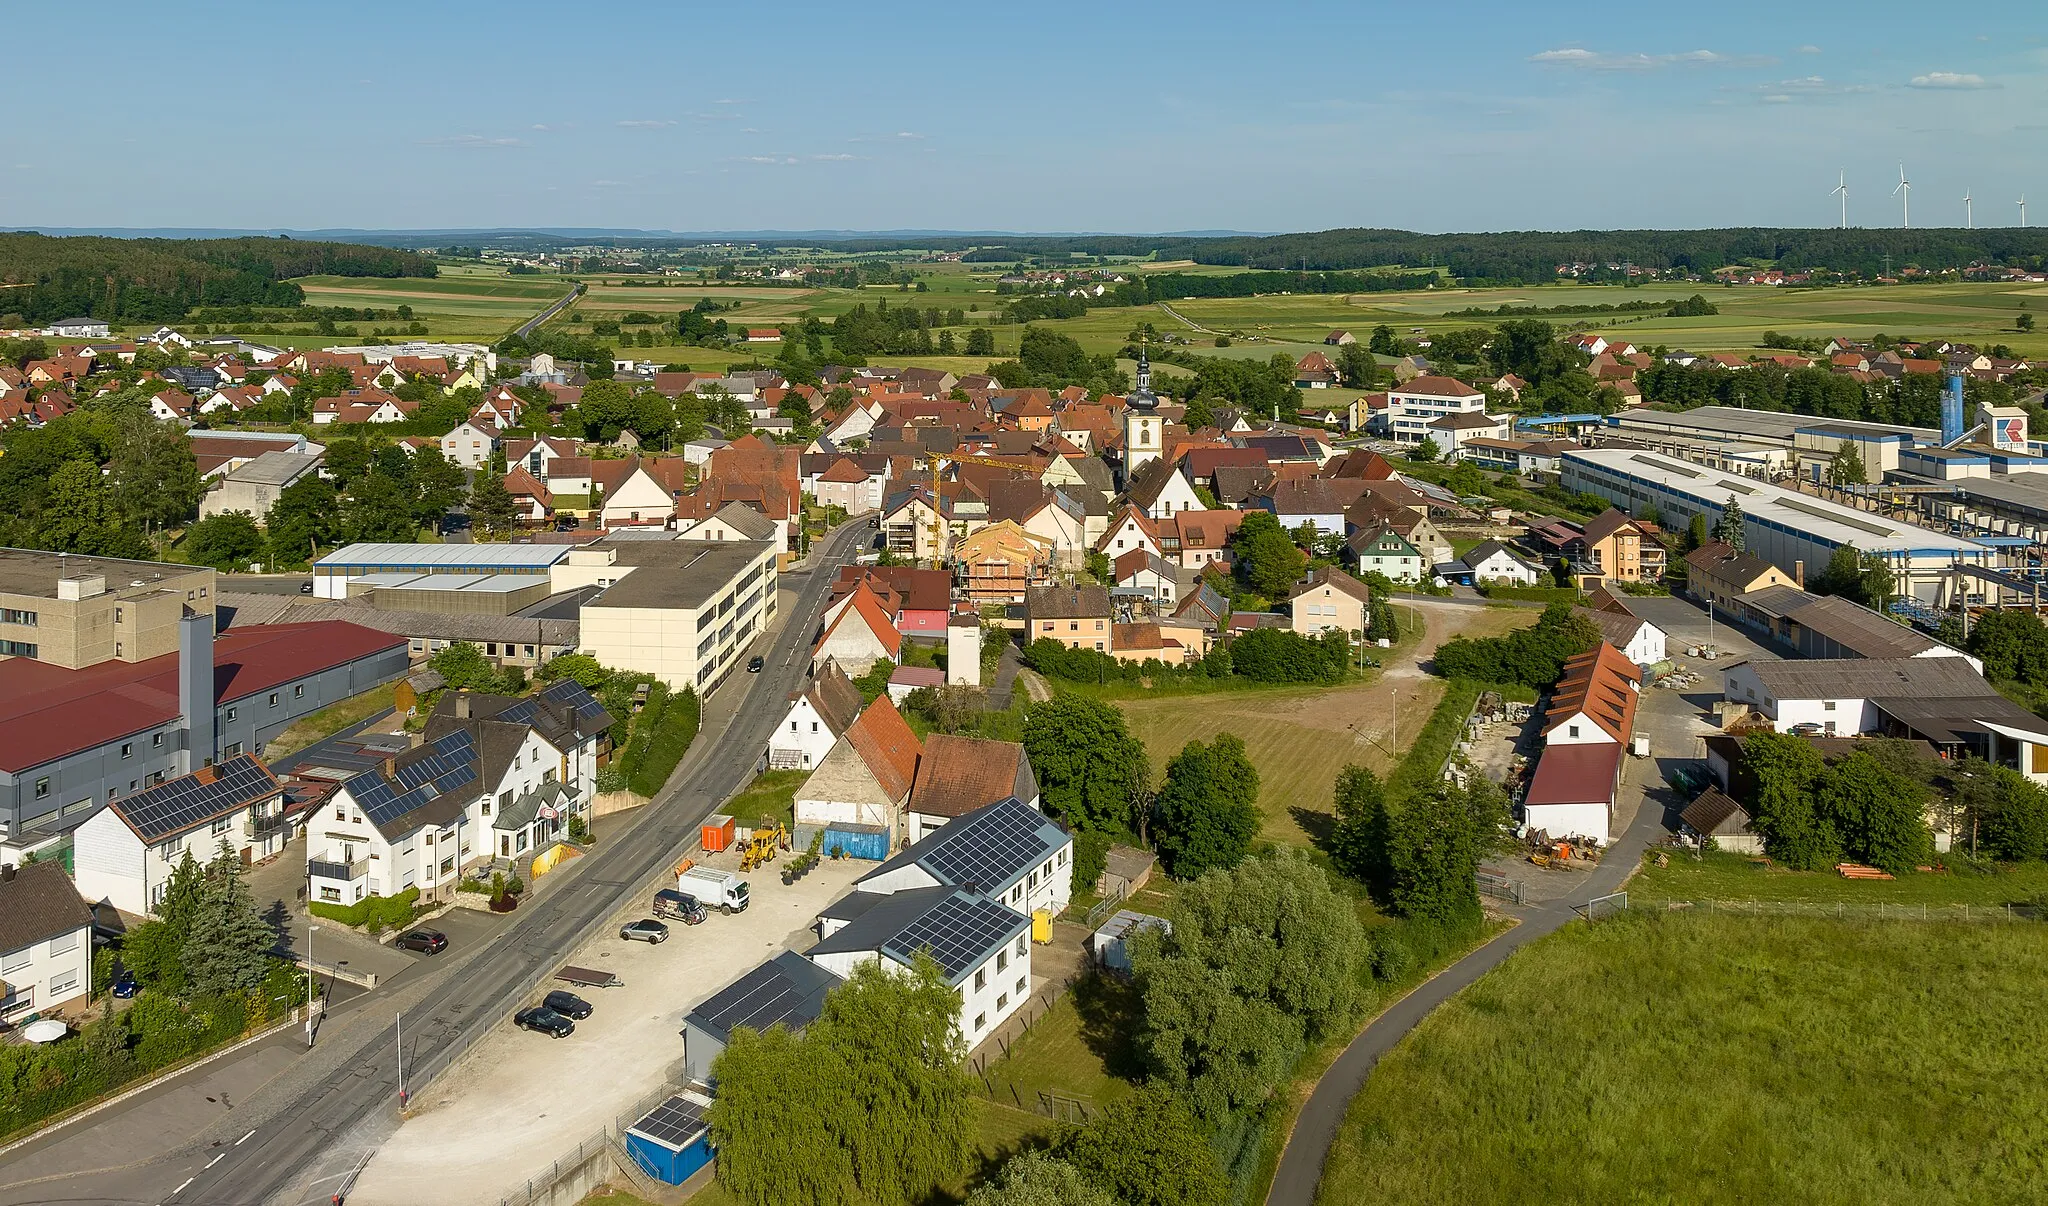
point(675, 1122)
point(991, 847)
point(446, 765)
point(959, 932)
point(181, 803)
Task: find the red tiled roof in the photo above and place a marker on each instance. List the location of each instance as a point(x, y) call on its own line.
point(48, 712)
point(960, 774)
point(887, 745)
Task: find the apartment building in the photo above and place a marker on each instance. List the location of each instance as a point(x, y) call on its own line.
point(686, 611)
point(76, 612)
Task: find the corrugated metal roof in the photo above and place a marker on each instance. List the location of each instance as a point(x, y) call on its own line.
point(532, 555)
point(1575, 774)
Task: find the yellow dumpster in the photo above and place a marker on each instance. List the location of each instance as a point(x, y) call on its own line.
point(1041, 926)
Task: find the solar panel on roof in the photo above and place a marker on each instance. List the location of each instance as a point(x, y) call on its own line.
point(959, 932)
point(675, 1122)
point(758, 1000)
point(185, 801)
point(990, 850)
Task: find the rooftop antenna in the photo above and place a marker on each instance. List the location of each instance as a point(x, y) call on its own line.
point(1969, 215)
point(1843, 189)
point(1905, 194)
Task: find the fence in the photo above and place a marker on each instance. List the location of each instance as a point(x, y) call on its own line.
point(1102, 909)
point(538, 1188)
point(1602, 906)
point(1843, 910)
point(1015, 1027)
point(1498, 886)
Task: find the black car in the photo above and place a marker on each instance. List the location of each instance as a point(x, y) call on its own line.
point(305, 588)
point(544, 1020)
point(647, 929)
point(568, 1004)
point(426, 942)
point(754, 664)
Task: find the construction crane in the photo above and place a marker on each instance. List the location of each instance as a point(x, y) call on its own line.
point(937, 462)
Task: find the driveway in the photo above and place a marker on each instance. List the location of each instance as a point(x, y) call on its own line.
point(518, 1100)
point(1686, 624)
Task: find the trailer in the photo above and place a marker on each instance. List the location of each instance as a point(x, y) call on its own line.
point(586, 977)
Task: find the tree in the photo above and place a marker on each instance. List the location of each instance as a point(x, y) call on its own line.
point(1781, 771)
point(981, 342)
point(1358, 841)
point(2025, 322)
point(1729, 528)
point(302, 519)
point(437, 485)
point(227, 541)
point(1357, 366)
point(1847, 467)
point(76, 514)
point(869, 1104)
point(1696, 531)
point(1267, 559)
point(2015, 826)
point(585, 670)
point(1880, 815)
point(1260, 960)
point(1425, 452)
point(378, 510)
point(155, 480)
point(1035, 1178)
point(1207, 811)
point(491, 506)
point(1090, 769)
point(228, 949)
point(1146, 1150)
point(465, 668)
point(2013, 644)
point(1432, 855)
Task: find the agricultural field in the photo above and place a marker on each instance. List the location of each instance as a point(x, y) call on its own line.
point(1299, 738)
point(1723, 876)
point(1718, 1060)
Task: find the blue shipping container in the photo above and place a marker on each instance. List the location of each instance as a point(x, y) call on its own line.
point(856, 843)
point(669, 1165)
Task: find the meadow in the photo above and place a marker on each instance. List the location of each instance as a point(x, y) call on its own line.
point(1719, 1060)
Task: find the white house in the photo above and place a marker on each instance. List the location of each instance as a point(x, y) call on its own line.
point(858, 633)
point(1451, 432)
point(983, 948)
point(1421, 401)
point(738, 521)
point(818, 716)
point(45, 939)
point(471, 443)
point(1161, 490)
point(1942, 699)
point(1594, 703)
point(1492, 562)
point(1157, 577)
point(77, 328)
point(1639, 640)
point(125, 854)
point(1007, 850)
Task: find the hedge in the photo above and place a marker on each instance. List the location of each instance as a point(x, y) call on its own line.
point(644, 724)
point(670, 740)
point(386, 912)
point(1532, 594)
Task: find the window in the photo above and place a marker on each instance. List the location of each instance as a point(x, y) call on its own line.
point(1829, 706)
point(1063, 857)
point(331, 894)
point(127, 749)
point(233, 748)
point(1574, 730)
point(1021, 941)
point(231, 715)
point(980, 1020)
point(1003, 1001)
point(42, 789)
point(27, 619)
point(62, 983)
point(14, 961)
point(981, 979)
point(1021, 981)
point(132, 785)
point(298, 691)
point(274, 698)
point(156, 741)
point(1002, 960)
point(64, 944)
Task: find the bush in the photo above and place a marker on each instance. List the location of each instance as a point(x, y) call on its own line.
point(670, 741)
point(611, 778)
point(1277, 655)
point(374, 913)
point(643, 728)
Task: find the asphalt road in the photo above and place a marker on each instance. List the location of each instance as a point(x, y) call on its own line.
point(289, 1156)
point(526, 328)
point(264, 584)
point(1301, 1163)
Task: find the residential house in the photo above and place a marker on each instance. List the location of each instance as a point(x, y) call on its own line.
point(471, 443)
point(1453, 431)
point(1007, 850)
point(1130, 528)
point(1314, 371)
point(534, 501)
point(818, 716)
point(848, 485)
point(45, 940)
point(1639, 640)
point(1421, 400)
point(737, 521)
point(125, 854)
point(1075, 616)
point(1160, 490)
point(539, 453)
point(1718, 574)
point(1588, 726)
point(982, 948)
point(863, 782)
point(856, 635)
point(1619, 549)
point(1385, 551)
point(1317, 501)
point(1147, 574)
point(1203, 537)
point(1494, 562)
point(1329, 599)
point(1150, 642)
point(957, 776)
point(1001, 562)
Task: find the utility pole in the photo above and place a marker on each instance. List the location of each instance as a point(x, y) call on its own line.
point(312, 1002)
point(398, 1020)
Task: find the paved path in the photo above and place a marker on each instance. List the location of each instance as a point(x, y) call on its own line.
point(297, 1138)
point(1301, 1163)
point(526, 328)
point(1006, 678)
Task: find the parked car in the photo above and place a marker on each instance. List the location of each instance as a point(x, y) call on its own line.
point(426, 942)
point(544, 1020)
point(568, 1004)
point(305, 588)
point(647, 929)
point(681, 906)
point(755, 663)
point(125, 985)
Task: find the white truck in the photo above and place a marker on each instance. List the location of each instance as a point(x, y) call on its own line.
point(721, 889)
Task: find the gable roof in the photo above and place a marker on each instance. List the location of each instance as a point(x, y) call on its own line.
point(1714, 812)
point(1606, 524)
point(39, 903)
point(1087, 602)
point(884, 741)
point(1429, 386)
point(1602, 686)
point(961, 930)
point(834, 698)
point(1331, 576)
point(870, 612)
point(183, 804)
point(957, 775)
point(988, 849)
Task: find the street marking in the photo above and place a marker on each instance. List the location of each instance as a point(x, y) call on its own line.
point(243, 1139)
point(181, 1188)
point(217, 1158)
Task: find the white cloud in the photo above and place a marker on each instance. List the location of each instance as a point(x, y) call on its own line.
point(472, 140)
point(646, 123)
point(908, 134)
point(835, 158)
point(1806, 87)
point(1809, 49)
point(1777, 98)
point(1595, 60)
point(728, 102)
point(1952, 80)
point(777, 160)
point(549, 127)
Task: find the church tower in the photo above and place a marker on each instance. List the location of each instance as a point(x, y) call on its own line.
point(1144, 430)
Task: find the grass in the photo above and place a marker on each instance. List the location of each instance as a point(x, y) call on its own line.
point(1080, 1048)
point(328, 721)
point(608, 1196)
point(1710, 1060)
point(1734, 877)
point(772, 794)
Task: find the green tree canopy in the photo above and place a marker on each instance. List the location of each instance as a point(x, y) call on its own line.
point(1267, 559)
point(491, 506)
point(1037, 1178)
point(227, 541)
point(1432, 855)
point(1090, 769)
point(1207, 810)
point(1728, 528)
point(228, 947)
point(1147, 1150)
point(1358, 841)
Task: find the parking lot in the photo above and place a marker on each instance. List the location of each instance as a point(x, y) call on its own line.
point(519, 1098)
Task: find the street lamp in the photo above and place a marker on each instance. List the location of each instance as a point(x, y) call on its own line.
point(311, 930)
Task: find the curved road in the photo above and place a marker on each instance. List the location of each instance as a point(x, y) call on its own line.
point(526, 328)
point(306, 1141)
point(1301, 1162)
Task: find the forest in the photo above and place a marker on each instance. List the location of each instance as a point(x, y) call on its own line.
point(163, 280)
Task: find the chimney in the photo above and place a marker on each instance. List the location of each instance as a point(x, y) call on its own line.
point(390, 768)
point(195, 687)
point(462, 705)
point(7, 874)
point(1799, 574)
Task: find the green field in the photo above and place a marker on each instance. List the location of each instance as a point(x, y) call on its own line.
point(1719, 1060)
point(1735, 877)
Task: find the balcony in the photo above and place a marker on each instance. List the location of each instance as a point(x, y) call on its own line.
point(262, 826)
point(347, 872)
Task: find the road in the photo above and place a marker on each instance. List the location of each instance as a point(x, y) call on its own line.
point(319, 1123)
point(1301, 1163)
point(526, 328)
point(265, 584)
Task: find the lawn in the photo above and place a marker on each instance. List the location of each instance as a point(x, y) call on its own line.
point(1712, 1059)
point(772, 794)
point(1736, 877)
point(328, 721)
point(1081, 1048)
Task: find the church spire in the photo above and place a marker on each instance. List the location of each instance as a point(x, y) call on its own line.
point(1143, 398)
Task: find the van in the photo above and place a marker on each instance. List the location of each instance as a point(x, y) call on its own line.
point(680, 906)
point(714, 887)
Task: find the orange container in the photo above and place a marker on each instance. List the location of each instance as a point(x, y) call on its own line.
point(718, 829)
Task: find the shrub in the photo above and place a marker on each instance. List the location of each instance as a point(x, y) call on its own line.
point(375, 913)
point(671, 740)
point(1277, 655)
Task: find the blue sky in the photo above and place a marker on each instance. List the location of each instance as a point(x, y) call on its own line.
point(1044, 116)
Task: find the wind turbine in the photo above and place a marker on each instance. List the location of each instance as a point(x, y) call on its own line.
point(1905, 194)
point(1969, 215)
point(1843, 188)
point(2023, 209)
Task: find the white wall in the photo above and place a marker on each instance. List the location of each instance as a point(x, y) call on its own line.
point(1848, 716)
point(1578, 729)
point(46, 973)
point(802, 734)
point(109, 863)
point(1570, 820)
